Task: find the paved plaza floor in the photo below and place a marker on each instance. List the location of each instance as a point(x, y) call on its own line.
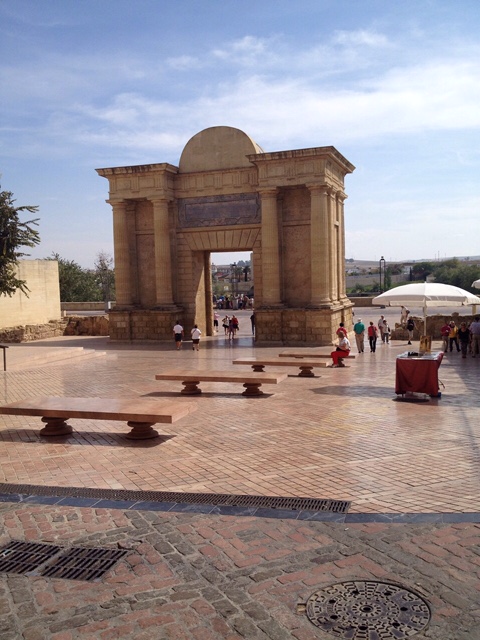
point(410, 472)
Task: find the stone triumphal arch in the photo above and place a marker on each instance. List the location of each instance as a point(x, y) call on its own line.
point(227, 194)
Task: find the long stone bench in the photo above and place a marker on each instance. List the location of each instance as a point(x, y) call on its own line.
point(139, 413)
point(251, 381)
point(309, 354)
point(305, 366)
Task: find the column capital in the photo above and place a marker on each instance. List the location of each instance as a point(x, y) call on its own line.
point(341, 196)
point(318, 188)
point(160, 199)
point(268, 192)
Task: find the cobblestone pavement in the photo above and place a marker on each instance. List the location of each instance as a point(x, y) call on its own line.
point(409, 470)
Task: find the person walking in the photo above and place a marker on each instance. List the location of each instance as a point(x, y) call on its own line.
point(252, 320)
point(464, 338)
point(342, 351)
point(359, 331)
point(226, 325)
point(475, 333)
point(216, 316)
point(196, 333)
point(178, 335)
point(410, 329)
point(372, 336)
point(452, 337)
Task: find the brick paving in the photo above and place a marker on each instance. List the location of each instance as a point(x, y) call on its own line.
point(202, 576)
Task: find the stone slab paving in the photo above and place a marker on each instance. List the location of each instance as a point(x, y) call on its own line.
point(203, 576)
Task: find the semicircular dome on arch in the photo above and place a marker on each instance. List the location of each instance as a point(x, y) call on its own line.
point(217, 148)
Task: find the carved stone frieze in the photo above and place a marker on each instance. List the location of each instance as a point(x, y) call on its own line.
point(214, 211)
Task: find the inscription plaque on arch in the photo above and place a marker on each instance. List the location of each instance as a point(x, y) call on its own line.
point(212, 211)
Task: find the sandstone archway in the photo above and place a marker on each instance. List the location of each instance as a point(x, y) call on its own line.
point(227, 194)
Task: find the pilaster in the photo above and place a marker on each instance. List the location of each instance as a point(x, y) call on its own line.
point(163, 260)
point(319, 245)
point(122, 252)
point(270, 249)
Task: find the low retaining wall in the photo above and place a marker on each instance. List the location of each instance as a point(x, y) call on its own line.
point(71, 326)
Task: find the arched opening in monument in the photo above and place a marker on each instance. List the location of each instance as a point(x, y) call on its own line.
point(232, 280)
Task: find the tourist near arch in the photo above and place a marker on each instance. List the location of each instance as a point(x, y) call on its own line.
point(227, 194)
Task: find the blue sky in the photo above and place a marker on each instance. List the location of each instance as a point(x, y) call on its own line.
point(394, 86)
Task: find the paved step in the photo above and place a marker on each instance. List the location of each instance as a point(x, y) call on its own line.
point(19, 357)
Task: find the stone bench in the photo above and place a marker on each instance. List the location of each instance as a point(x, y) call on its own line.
point(251, 381)
point(139, 413)
point(305, 366)
point(310, 354)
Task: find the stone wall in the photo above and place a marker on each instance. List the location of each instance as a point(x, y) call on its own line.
point(43, 301)
point(434, 324)
point(71, 326)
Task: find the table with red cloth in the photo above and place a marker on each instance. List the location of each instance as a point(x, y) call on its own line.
point(418, 374)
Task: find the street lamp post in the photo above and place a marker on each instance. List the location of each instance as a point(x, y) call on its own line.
point(382, 268)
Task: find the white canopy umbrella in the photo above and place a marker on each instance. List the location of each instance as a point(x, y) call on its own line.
point(476, 284)
point(426, 294)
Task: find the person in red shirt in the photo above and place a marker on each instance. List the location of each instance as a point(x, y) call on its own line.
point(341, 331)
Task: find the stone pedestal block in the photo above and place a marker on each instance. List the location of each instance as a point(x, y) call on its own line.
point(300, 326)
point(143, 324)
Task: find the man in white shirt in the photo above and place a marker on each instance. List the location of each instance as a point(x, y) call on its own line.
point(178, 334)
point(196, 333)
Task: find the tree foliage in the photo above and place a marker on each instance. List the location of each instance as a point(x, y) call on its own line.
point(86, 285)
point(14, 234)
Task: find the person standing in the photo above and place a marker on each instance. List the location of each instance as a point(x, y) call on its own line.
point(196, 333)
point(372, 337)
point(475, 333)
point(342, 351)
point(341, 331)
point(386, 332)
point(404, 316)
point(410, 329)
point(464, 337)
point(359, 331)
point(445, 331)
point(178, 335)
point(381, 327)
point(216, 316)
point(252, 320)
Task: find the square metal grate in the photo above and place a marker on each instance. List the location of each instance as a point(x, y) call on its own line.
point(75, 563)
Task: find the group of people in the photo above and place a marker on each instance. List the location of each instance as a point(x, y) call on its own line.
point(465, 338)
point(179, 334)
point(230, 326)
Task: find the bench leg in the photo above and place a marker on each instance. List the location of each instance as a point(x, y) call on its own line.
point(252, 389)
point(55, 427)
point(191, 388)
point(258, 367)
point(306, 372)
point(141, 431)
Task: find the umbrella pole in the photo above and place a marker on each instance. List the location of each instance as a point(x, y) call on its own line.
point(424, 321)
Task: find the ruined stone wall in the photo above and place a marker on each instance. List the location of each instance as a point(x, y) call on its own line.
point(71, 326)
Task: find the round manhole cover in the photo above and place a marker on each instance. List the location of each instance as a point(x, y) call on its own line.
point(368, 610)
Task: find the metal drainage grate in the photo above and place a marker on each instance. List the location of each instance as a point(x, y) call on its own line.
point(216, 499)
point(368, 610)
point(23, 557)
point(76, 563)
point(80, 563)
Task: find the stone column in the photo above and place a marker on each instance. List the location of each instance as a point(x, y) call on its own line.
point(319, 245)
point(270, 249)
point(163, 262)
point(333, 261)
point(342, 286)
point(122, 252)
point(208, 293)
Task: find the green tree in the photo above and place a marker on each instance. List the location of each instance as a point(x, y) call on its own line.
point(14, 234)
point(420, 270)
point(105, 275)
point(77, 284)
point(461, 275)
